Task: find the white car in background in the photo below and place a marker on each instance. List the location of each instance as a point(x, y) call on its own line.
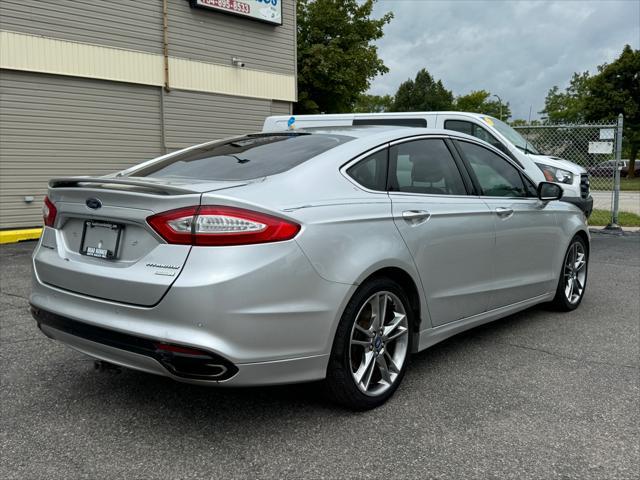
point(573, 178)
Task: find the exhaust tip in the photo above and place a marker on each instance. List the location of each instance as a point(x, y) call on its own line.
point(190, 362)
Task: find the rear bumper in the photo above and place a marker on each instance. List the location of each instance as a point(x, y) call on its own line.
point(271, 317)
point(146, 360)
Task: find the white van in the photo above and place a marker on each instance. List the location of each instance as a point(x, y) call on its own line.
point(572, 177)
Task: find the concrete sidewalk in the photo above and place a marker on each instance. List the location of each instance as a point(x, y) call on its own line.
point(629, 201)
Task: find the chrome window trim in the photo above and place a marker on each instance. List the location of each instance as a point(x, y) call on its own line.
point(343, 169)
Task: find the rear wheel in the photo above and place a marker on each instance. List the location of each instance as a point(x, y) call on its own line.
point(371, 348)
point(573, 276)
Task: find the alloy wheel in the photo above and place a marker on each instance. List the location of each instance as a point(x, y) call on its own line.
point(575, 273)
point(379, 343)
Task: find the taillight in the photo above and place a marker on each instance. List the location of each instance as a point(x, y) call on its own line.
point(49, 212)
point(221, 226)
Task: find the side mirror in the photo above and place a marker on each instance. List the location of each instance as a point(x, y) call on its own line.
point(548, 191)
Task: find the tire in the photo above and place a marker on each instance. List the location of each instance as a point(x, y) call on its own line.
point(561, 301)
point(354, 347)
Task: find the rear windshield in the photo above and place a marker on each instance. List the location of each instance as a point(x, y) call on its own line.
point(244, 158)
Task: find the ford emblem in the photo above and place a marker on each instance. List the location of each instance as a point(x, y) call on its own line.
point(94, 203)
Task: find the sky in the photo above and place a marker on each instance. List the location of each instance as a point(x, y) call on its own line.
point(517, 49)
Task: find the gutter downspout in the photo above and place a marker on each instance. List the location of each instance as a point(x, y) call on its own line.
point(165, 89)
point(165, 43)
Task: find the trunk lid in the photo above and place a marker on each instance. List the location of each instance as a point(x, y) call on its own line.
point(109, 251)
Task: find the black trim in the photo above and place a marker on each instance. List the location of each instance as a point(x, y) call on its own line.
point(399, 122)
point(185, 365)
point(466, 177)
point(584, 185)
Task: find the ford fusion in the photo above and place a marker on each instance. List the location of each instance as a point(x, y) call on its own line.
point(303, 255)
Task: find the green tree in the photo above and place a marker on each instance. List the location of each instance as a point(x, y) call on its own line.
point(519, 122)
point(373, 103)
point(422, 94)
point(479, 101)
point(568, 106)
point(614, 90)
point(336, 55)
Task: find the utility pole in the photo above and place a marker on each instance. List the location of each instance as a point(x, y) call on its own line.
point(500, 102)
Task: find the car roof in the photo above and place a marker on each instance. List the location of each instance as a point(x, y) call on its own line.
point(383, 115)
point(379, 132)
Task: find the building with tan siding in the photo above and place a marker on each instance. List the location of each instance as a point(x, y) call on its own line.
point(87, 88)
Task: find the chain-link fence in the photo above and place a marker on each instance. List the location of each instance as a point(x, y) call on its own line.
point(591, 145)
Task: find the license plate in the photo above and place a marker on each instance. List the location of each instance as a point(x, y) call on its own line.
point(100, 239)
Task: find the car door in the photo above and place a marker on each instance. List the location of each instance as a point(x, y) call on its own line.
point(449, 232)
point(527, 232)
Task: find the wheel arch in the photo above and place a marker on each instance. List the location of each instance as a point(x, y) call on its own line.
point(410, 287)
point(585, 237)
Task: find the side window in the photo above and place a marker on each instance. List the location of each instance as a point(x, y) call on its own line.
point(459, 126)
point(424, 166)
point(482, 134)
point(371, 172)
point(496, 176)
point(474, 130)
point(400, 122)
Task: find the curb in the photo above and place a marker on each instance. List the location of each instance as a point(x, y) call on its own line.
point(15, 236)
point(619, 232)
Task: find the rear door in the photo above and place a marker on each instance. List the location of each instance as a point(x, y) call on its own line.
point(449, 231)
point(526, 231)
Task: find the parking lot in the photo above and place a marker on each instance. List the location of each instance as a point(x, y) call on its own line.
point(536, 395)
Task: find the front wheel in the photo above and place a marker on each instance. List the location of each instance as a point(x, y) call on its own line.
point(372, 344)
point(573, 276)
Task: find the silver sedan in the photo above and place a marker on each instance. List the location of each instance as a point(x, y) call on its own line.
point(302, 255)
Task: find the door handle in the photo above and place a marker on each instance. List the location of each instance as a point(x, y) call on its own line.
point(504, 212)
point(415, 217)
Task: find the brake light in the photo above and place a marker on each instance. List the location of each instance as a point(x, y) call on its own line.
point(49, 212)
point(221, 226)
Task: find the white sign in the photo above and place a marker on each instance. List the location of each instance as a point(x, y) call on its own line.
point(606, 133)
point(601, 147)
point(264, 10)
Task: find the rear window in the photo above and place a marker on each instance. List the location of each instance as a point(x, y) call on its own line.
point(244, 158)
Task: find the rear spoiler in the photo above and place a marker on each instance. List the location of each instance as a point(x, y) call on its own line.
point(105, 182)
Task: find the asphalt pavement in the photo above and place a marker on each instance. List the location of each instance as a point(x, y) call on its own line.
point(536, 395)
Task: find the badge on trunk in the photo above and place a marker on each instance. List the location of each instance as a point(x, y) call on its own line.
point(93, 203)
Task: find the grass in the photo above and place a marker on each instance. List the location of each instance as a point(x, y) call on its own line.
point(626, 184)
point(601, 218)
